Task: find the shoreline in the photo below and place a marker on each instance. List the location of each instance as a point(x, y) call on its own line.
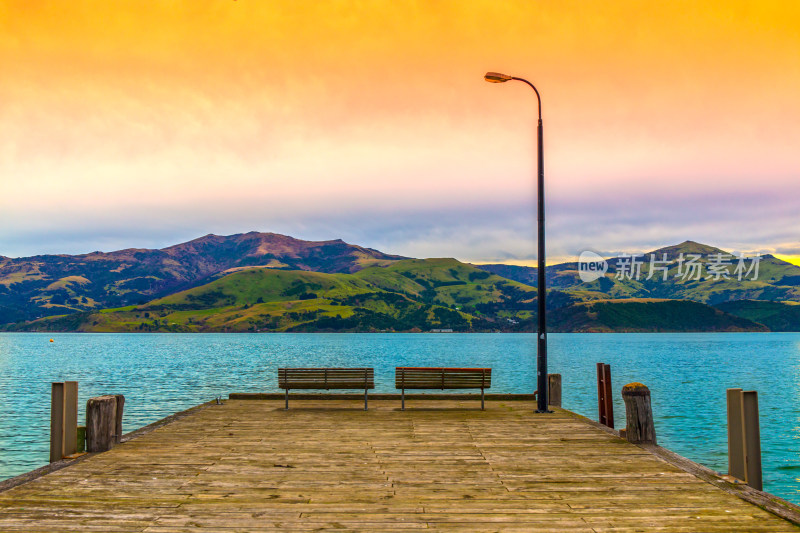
point(381, 332)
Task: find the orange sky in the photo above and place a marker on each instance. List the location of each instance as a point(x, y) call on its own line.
point(369, 121)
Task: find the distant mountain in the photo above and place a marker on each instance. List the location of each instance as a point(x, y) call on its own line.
point(407, 295)
point(776, 280)
point(686, 247)
point(45, 285)
point(523, 274)
point(269, 282)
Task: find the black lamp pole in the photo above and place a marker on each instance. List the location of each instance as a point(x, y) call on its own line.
point(541, 329)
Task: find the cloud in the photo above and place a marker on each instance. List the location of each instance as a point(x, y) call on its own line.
point(475, 231)
point(788, 248)
point(151, 124)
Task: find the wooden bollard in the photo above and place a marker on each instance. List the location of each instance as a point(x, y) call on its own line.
point(639, 428)
point(554, 389)
point(101, 423)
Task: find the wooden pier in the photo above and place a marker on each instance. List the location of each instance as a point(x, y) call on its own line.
point(250, 465)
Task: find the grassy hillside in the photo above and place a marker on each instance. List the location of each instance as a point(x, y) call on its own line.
point(408, 295)
point(643, 315)
point(403, 296)
point(776, 280)
point(777, 316)
point(33, 287)
point(448, 282)
point(269, 282)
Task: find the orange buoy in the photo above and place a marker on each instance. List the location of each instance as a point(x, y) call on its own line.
point(51, 340)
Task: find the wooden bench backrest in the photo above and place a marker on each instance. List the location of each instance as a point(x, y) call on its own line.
point(326, 378)
point(442, 378)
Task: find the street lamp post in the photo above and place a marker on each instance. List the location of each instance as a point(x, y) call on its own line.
point(541, 330)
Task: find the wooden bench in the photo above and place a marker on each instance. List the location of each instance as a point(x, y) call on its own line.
point(326, 378)
point(441, 378)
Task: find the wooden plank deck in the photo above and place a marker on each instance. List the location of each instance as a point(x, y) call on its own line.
point(251, 466)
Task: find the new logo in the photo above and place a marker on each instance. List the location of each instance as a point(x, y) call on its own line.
point(591, 266)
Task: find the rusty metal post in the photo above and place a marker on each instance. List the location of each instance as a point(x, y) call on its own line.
point(57, 422)
point(118, 418)
point(601, 414)
point(735, 434)
point(744, 437)
point(752, 439)
point(604, 398)
point(70, 417)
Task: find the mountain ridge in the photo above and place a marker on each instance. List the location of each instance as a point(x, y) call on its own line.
point(32, 287)
point(411, 295)
point(777, 280)
point(97, 285)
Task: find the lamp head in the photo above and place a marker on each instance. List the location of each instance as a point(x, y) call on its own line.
point(496, 77)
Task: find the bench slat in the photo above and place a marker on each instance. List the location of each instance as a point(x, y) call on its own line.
point(326, 378)
point(442, 378)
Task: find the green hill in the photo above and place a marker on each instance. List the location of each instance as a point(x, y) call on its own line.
point(647, 315)
point(777, 316)
point(407, 295)
point(776, 280)
point(268, 282)
point(34, 287)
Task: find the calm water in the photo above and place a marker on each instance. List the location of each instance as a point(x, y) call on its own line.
point(160, 374)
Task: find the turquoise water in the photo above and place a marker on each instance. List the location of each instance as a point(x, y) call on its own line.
point(160, 374)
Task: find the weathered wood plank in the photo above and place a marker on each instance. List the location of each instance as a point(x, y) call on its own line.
point(251, 466)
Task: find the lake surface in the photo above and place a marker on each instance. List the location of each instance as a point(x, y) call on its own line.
point(160, 374)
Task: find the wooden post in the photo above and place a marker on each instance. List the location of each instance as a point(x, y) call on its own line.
point(57, 422)
point(118, 418)
point(101, 414)
point(554, 389)
point(639, 428)
point(735, 434)
point(752, 439)
point(604, 397)
point(70, 417)
point(744, 437)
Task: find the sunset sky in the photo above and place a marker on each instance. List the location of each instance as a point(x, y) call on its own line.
point(148, 123)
